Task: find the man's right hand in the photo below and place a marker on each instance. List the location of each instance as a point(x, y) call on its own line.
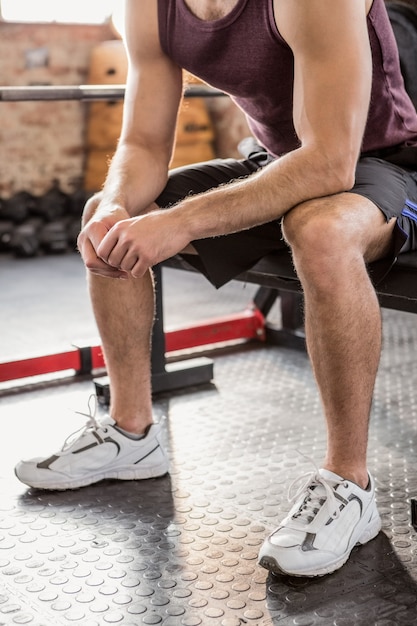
point(98, 219)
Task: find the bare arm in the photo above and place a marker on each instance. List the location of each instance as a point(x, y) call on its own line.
point(139, 169)
point(332, 86)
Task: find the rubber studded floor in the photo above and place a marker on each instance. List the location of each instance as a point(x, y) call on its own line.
point(182, 550)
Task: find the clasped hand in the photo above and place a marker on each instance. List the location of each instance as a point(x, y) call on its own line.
point(123, 248)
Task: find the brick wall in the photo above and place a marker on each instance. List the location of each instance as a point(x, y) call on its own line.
point(43, 141)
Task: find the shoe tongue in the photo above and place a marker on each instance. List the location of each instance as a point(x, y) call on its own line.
point(330, 476)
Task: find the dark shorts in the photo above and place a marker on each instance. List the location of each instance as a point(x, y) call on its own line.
point(392, 188)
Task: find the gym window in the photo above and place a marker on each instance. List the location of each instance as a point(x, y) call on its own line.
point(76, 11)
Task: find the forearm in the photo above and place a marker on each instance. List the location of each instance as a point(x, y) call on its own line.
point(264, 196)
point(136, 177)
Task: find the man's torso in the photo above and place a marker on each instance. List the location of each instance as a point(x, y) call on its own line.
point(237, 46)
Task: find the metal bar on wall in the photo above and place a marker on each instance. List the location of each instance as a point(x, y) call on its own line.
point(85, 92)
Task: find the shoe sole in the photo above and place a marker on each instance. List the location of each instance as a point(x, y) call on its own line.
point(371, 531)
point(122, 474)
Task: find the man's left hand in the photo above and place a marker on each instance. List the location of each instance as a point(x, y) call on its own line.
point(136, 244)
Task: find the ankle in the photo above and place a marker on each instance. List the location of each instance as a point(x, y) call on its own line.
point(133, 426)
point(355, 475)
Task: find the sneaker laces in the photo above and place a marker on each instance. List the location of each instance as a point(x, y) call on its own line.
point(91, 424)
point(314, 499)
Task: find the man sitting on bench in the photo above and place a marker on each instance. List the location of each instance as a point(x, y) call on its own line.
point(320, 84)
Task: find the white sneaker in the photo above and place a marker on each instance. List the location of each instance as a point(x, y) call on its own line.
point(97, 451)
point(330, 516)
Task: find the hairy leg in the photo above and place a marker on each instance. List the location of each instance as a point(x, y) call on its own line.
point(331, 240)
point(124, 312)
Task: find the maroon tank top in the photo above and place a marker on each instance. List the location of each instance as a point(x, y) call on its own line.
point(244, 55)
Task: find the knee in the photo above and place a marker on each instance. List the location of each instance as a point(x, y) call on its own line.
point(320, 240)
point(311, 228)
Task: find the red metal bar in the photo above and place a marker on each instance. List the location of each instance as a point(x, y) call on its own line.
point(249, 324)
point(38, 366)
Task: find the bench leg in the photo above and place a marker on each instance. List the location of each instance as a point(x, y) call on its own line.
point(179, 374)
point(413, 505)
point(291, 331)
